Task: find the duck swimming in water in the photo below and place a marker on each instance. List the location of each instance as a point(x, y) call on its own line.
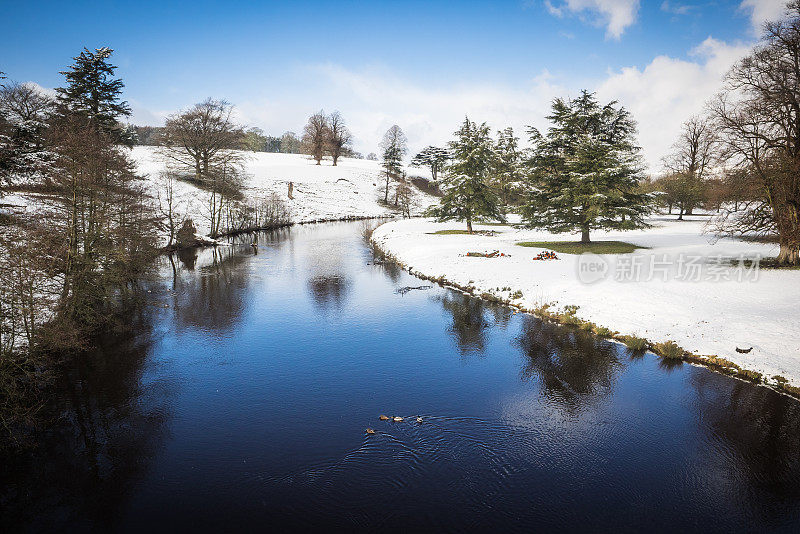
point(384, 417)
point(397, 419)
point(370, 431)
point(419, 419)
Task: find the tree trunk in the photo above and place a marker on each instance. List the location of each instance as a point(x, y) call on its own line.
point(585, 234)
point(469, 225)
point(386, 194)
point(680, 214)
point(788, 255)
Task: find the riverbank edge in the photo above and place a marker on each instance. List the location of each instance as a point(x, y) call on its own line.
point(668, 351)
point(207, 242)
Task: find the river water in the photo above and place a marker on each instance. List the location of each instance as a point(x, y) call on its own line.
point(239, 398)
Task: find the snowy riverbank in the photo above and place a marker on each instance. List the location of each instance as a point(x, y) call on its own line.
point(320, 192)
point(683, 287)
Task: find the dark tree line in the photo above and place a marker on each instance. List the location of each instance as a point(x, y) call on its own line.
point(68, 262)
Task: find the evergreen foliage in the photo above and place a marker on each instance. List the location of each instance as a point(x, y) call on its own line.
point(432, 157)
point(468, 195)
point(508, 165)
point(92, 91)
point(584, 173)
point(394, 150)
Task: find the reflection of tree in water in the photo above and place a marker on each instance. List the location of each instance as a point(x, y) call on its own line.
point(469, 323)
point(214, 298)
point(573, 367)
point(107, 426)
point(188, 257)
point(329, 291)
point(762, 430)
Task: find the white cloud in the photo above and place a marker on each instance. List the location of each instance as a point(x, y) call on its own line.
point(668, 90)
point(676, 9)
point(372, 100)
point(615, 15)
point(660, 95)
point(762, 11)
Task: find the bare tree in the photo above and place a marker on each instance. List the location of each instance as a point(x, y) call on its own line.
point(316, 135)
point(339, 137)
point(168, 205)
point(758, 116)
point(690, 162)
point(202, 138)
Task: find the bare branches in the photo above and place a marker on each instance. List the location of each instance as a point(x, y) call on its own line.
point(758, 117)
point(339, 137)
point(316, 134)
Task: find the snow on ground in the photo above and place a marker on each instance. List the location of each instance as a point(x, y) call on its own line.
point(321, 192)
point(685, 290)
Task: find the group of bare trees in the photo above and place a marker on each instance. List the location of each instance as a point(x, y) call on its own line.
point(742, 156)
point(202, 145)
point(689, 166)
point(326, 134)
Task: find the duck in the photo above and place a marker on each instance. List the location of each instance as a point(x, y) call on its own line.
point(384, 417)
point(397, 419)
point(419, 419)
point(370, 431)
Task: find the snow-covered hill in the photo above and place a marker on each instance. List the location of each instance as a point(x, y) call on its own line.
point(320, 192)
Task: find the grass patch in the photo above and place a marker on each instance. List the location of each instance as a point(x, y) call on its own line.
point(449, 232)
point(669, 350)
point(635, 343)
point(576, 247)
point(602, 331)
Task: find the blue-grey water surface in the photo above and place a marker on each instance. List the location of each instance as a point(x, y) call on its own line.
point(241, 403)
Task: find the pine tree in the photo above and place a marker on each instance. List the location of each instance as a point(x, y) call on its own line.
point(394, 150)
point(584, 173)
point(93, 92)
point(433, 157)
point(508, 165)
point(468, 195)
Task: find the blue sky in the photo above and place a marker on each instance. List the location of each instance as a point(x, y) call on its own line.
point(422, 65)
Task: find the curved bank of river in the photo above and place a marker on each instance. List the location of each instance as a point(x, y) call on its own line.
point(241, 397)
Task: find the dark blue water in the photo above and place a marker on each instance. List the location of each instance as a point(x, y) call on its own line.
point(239, 397)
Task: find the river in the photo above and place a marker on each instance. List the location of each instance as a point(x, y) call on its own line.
point(239, 398)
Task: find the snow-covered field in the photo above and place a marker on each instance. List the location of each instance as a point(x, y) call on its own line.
point(321, 192)
point(682, 288)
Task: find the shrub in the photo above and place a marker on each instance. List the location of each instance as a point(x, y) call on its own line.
point(602, 331)
point(635, 343)
point(669, 350)
point(750, 375)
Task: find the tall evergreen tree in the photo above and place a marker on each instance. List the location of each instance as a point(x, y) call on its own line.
point(93, 91)
point(508, 165)
point(432, 157)
point(584, 173)
point(468, 195)
point(394, 150)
